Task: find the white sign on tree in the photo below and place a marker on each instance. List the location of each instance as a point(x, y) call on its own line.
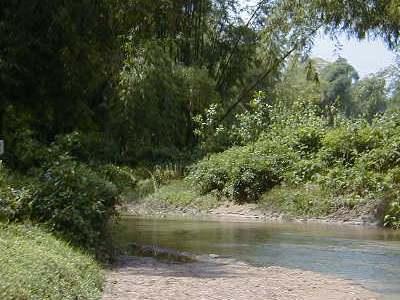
point(1, 147)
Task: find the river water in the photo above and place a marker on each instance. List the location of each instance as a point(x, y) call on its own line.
point(369, 256)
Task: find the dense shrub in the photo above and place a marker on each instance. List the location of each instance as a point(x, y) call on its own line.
point(87, 147)
point(242, 173)
point(6, 194)
point(302, 171)
point(72, 200)
point(392, 216)
point(352, 160)
point(307, 139)
point(123, 177)
point(55, 188)
point(355, 180)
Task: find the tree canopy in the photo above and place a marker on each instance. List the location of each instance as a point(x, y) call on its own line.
point(138, 72)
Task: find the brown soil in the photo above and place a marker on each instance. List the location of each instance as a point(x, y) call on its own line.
point(217, 278)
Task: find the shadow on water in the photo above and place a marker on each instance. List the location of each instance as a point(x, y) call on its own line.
point(369, 256)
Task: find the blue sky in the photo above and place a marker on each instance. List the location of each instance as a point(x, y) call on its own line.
point(365, 56)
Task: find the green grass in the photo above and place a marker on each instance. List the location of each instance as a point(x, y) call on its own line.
point(37, 266)
point(308, 201)
point(178, 195)
point(298, 201)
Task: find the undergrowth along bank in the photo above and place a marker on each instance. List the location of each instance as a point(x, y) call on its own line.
point(59, 188)
point(351, 162)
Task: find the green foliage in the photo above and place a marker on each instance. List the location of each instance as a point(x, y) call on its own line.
point(302, 171)
point(37, 266)
point(306, 200)
point(143, 188)
point(370, 95)
point(126, 83)
point(157, 100)
point(53, 73)
point(340, 76)
point(152, 179)
point(353, 161)
point(30, 153)
point(347, 141)
point(178, 194)
point(87, 147)
point(392, 217)
point(122, 177)
point(72, 200)
point(355, 181)
point(249, 125)
point(242, 173)
point(362, 18)
point(6, 194)
point(213, 137)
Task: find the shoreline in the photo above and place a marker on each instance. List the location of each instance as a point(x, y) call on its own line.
point(220, 278)
point(250, 212)
point(217, 277)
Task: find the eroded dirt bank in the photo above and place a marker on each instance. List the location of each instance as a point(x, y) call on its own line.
point(214, 278)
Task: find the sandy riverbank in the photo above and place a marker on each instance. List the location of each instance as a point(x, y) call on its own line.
point(220, 278)
point(214, 278)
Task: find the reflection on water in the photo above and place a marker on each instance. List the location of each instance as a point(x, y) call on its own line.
point(370, 256)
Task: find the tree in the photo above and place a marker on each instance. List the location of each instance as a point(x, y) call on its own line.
point(56, 58)
point(370, 95)
point(340, 77)
point(300, 82)
point(361, 18)
point(393, 73)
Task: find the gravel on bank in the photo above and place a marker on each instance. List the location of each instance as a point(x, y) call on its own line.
point(214, 278)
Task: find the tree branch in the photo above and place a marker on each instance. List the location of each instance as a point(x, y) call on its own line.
point(277, 62)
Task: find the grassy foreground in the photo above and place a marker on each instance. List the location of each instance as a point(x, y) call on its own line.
point(37, 266)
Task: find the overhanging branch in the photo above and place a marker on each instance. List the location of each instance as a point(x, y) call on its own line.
point(277, 62)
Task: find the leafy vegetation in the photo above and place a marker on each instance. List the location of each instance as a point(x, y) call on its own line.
point(102, 102)
point(353, 161)
point(105, 101)
point(35, 265)
point(64, 194)
point(178, 195)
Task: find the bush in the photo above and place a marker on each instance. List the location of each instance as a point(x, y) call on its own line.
point(72, 200)
point(242, 173)
point(121, 176)
point(37, 266)
point(347, 142)
point(307, 139)
point(302, 171)
point(392, 214)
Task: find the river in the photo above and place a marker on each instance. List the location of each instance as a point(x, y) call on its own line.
point(369, 256)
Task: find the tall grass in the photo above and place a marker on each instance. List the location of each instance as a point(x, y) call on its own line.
point(37, 266)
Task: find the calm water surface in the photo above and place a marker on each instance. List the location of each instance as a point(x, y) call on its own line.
point(370, 256)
